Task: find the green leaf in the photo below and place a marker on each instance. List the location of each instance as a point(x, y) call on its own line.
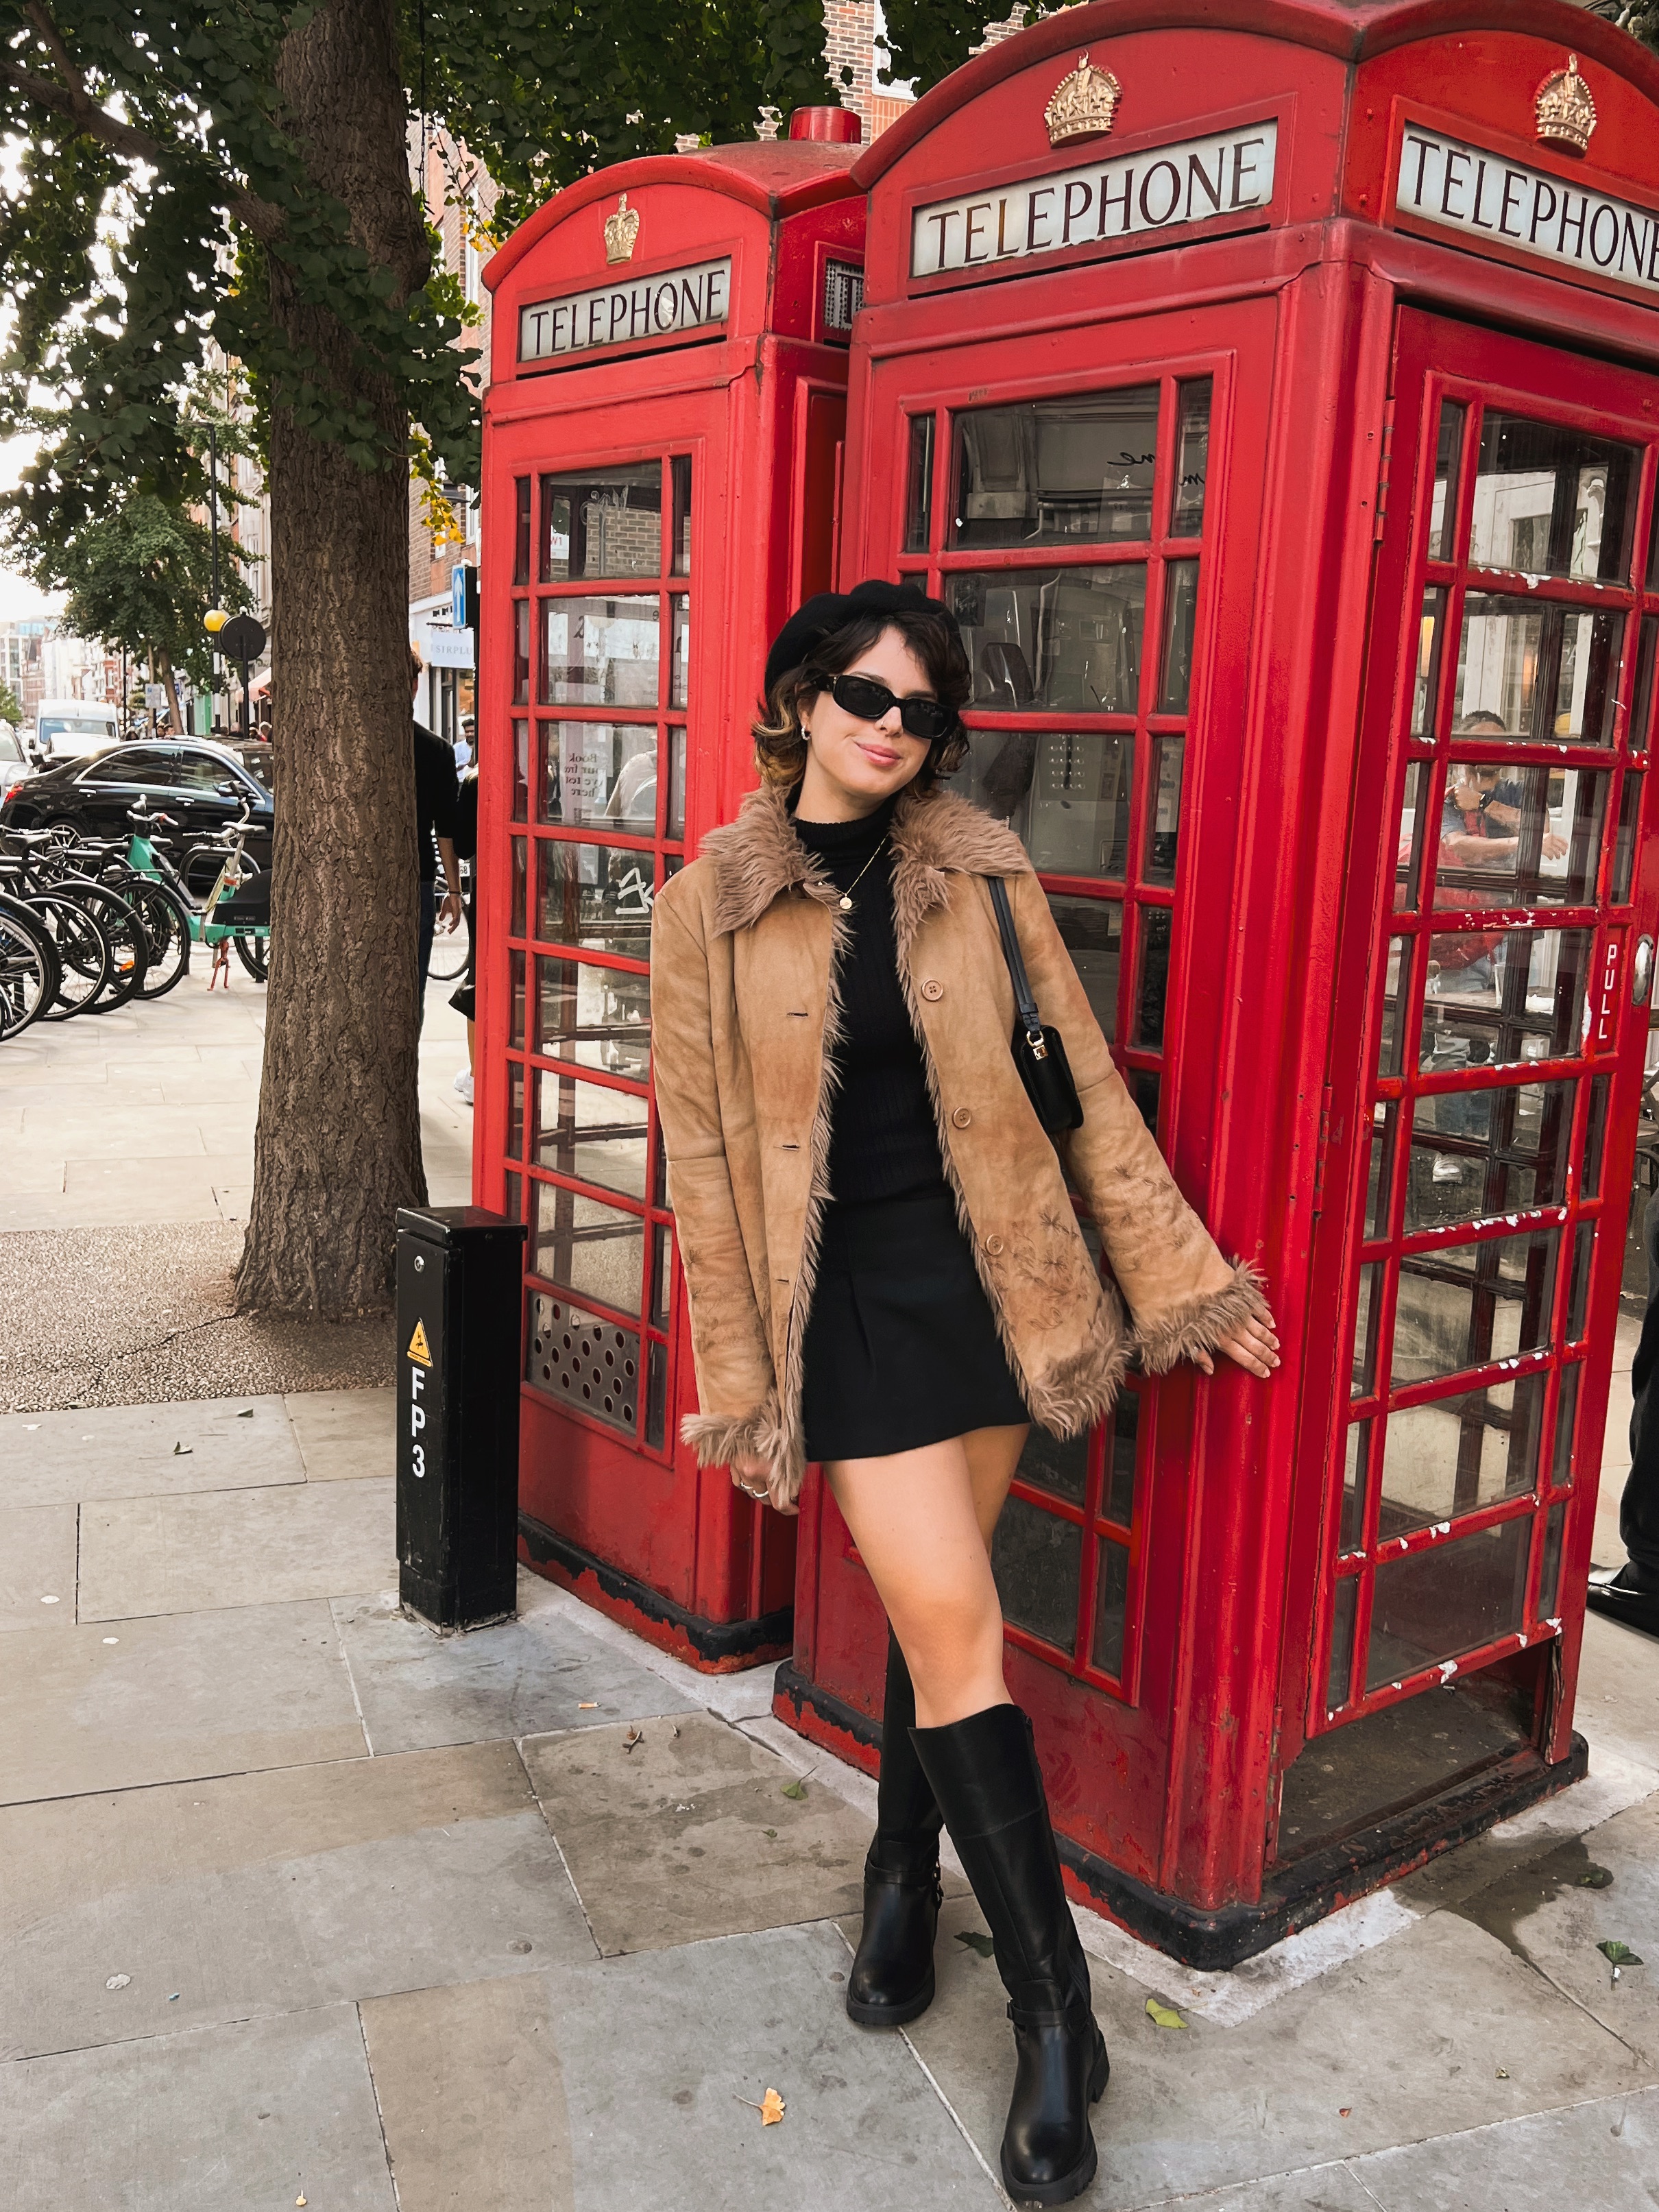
point(1596, 1877)
point(796, 1789)
point(976, 1940)
point(1617, 1953)
point(1163, 2016)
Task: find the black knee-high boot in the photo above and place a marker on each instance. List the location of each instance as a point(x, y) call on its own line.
point(893, 1976)
point(985, 1776)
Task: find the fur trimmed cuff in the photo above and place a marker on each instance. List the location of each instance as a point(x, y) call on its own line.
point(1202, 1323)
point(718, 1438)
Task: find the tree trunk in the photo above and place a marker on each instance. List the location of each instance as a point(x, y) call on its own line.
point(164, 665)
point(339, 1144)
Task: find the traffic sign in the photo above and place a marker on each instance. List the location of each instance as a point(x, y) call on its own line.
point(241, 639)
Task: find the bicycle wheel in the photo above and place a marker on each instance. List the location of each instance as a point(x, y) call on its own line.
point(129, 946)
point(29, 972)
point(83, 953)
point(451, 950)
point(254, 953)
point(165, 920)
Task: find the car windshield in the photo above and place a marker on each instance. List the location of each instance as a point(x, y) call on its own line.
point(74, 726)
point(256, 759)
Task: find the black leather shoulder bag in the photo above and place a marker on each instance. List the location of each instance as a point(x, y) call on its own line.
point(1039, 1054)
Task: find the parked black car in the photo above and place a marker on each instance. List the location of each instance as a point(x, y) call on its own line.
point(201, 782)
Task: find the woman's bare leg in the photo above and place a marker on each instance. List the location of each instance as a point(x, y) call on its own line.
point(922, 1521)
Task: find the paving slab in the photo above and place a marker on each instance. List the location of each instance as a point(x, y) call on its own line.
point(32, 1174)
point(1402, 2042)
point(471, 2097)
point(1617, 1670)
point(236, 1547)
point(82, 1453)
point(688, 1834)
point(259, 2114)
point(664, 2057)
point(1320, 2189)
point(1603, 2155)
point(343, 1434)
point(219, 1900)
point(744, 1697)
point(37, 1566)
point(166, 1700)
point(519, 1678)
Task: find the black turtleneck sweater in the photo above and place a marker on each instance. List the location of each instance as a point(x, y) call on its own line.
point(883, 1143)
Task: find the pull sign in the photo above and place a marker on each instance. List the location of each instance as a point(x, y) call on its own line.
point(843, 295)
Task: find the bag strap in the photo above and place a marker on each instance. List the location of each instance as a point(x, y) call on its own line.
point(1025, 1005)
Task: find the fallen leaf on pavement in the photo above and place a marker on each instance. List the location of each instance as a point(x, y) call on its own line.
point(1596, 1877)
point(770, 1832)
point(796, 1789)
point(1163, 2016)
point(1503, 2073)
point(635, 1736)
point(246, 1416)
point(1617, 1954)
point(772, 2109)
point(183, 1451)
point(588, 1706)
point(976, 1940)
point(1343, 2111)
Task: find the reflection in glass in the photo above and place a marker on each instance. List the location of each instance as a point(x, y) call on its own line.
point(1449, 449)
point(1624, 847)
point(599, 772)
point(675, 825)
point(1460, 1454)
point(1466, 1305)
point(1476, 1154)
point(1091, 930)
point(1552, 501)
point(1595, 1131)
point(1355, 1477)
point(599, 896)
point(1045, 470)
point(1152, 980)
point(1111, 1608)
point(516, 1020)
point(1060, 1468)
point(1058, 640)
point(1122, 1441)
point(1396, 991)
point(662, 1273)
point(1426, 685)
point(1583, 1252)
point(604, 522)
point(595, 1250)
point(1519, 837)
point(1454, 1597)
point(514, 1205)
point(1519, 992)
point(598, 1135)
point(680, 470)
point(521, 771)
point(1378, 1176)
point(593, 1017)
point(1037, 1560)
point(1367, 1316)
point(1549, 1580)
point(1567, 1415)
point(521, 529)
point(919, 503)
point(1064, 794)
point(1192, 458)
point(598, 653)
point(1343, 1608)
point(1180, 622)
point(1536, 672)
point(516, 918)
point(520, 651)
point(1145, 1087)
point(515, 1145)
point(1407, 874)
point(1163, 827)
point(1647, 654)
point(679, 675)
point(656, 1403)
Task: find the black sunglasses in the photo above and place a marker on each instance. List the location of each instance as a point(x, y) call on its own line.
point(919, 717)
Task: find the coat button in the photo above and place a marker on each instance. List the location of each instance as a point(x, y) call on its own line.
point(961, 1117)
point(993, 1246)
point(933, 988)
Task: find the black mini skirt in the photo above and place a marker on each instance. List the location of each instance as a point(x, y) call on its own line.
point(902, 1348)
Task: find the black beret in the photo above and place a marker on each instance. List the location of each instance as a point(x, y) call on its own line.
point(825, 612)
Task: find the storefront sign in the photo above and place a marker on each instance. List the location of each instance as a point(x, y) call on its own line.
point(1488, 198)
point(1198, 181)
point(637, 311)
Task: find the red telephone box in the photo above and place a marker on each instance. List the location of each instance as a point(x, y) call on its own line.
point(666, 406)
point(1273, 397)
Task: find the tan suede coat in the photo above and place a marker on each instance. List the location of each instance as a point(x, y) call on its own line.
point(745, 952)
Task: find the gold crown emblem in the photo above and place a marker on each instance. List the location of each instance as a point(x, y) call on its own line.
point(1566, 113)
point(1083, 104)
point(622, 228)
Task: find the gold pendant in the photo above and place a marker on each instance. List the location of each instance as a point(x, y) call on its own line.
point(846, 903)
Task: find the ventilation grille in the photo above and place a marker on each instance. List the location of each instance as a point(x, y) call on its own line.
point(582, 1361)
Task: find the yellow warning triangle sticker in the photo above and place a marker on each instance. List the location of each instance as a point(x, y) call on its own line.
point(418, 1347)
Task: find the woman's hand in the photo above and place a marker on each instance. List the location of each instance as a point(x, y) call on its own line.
point(752, 1477)
point(1254, 1347)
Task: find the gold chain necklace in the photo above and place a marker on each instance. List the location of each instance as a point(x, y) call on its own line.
point(846, 901)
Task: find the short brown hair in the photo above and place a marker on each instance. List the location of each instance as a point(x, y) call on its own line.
point(932, 636)
point(415, 663)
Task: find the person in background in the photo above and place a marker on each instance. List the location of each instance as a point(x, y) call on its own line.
point(466, 746)
point(464, 998)
point(1630, 1593)
point(435, 798)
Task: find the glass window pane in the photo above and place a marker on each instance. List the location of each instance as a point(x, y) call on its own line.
point(680, 671)
point(1549, 1580)
point(1452, 1598)
point(521, 529)
point(1111, 1608)
point(515, 1198)
point(604, 522)
point(599, 773)
point(514, 1147)
point(598, 896)
point(594, 1017)
point(1567, 1416)
point(675, 825)
point(1583, 1252)
point(1356, 1469)
point(1653, 552)
point(1060, 1467)
point(1038, 1560)
point(1520, 836)
point(1122, 1443)
point(1535, 672)
point(593, 1249)
point(1477, 1154)
point(598, 653)
point(1448, 450)
point(1367, 1313)
point(1192, 458)
point(1458, 1454)
point(1595, 1131)
point(1396, 992)
point(598, 1135)
point(1379, 1179)
point(582, 1361)
point(1164, 824)
point(1641, 719)
point(1179, 624)
point(919, 503)
point(1049, 470)
point(1057, 640)
point(1145, 1086)
point(516, 919)
point(1552, 501)
point(516, 1012)
point(1624, 848)
point(656, 1403)
point(1426, 685)
point(1064, 794)
point(680, 470)
point(520, 651)
point(1153, 979)
point(1343, 1609)
point(1508, 995)
point(1408, 871)
point(521, 771)
point(1468, 1304)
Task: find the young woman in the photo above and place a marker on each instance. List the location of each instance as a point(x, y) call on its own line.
point(886, 1272)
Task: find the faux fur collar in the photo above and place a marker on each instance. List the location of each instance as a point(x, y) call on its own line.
point(935, 833)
